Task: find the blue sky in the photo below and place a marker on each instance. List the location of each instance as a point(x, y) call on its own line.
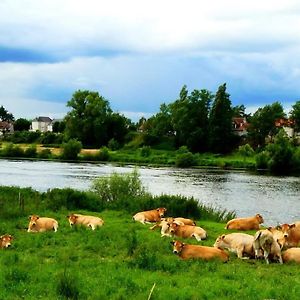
point(138, 54)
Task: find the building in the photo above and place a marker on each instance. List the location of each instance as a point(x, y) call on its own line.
point(287, 125)
point(240, 126)
point(6, 127)
point(42, 124)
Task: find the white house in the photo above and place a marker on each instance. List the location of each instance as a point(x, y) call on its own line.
point(42, 124)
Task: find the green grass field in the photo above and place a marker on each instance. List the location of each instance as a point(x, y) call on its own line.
point(123, 260)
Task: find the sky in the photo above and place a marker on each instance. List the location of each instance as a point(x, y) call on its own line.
point(138, 54)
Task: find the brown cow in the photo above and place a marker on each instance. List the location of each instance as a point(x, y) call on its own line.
point(186, 251)
point(239, 243)
point(37, 224)
point(88, 221)
point(264, 240)
point(150, 216)
point(187, 231)
point(292, 254)
point(5, 241)
point(291, 232)
point(245, 223)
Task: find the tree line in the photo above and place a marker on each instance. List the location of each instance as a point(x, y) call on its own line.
point(199, 119)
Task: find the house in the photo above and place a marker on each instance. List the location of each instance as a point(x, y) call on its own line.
point(42, 124)
point(287, 125)
point(6, 127)
point(240, 125)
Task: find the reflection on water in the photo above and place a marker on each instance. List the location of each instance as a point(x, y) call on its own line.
point(276, 198)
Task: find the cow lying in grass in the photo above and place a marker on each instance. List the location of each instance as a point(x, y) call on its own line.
point(150, 216)
point(5, 241)
point(251, 223)
point(88, 221)
point(38, 224)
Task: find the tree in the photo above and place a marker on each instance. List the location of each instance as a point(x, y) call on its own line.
point(91, 120)
point(22, 125)
point(59, 126)
point(262, 123)
point(5, 116)
point(220, 122)
point(71, 149)
point(295, 115)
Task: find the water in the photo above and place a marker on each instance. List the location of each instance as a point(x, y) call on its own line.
point(276, 198)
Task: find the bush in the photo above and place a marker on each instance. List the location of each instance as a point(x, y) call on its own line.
point(30, 151)
point(45, 153)
point(113, 145)
point(145, 151)
point(246, 150)
point(71, 149)
point(185, 160)
point(103, 154)
point(262, 160)
point(11, 150)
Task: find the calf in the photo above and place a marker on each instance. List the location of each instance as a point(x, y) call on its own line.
point(264, 240)
point(5, 241)
point(37, 224)
point(187, 231)
point(291, 232)
point(186, 251)
point(88, 221)
point(239, 243)
point(150, 216)
point(292, 254)
point(245, 223)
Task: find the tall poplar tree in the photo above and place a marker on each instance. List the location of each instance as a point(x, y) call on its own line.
point(220, 122)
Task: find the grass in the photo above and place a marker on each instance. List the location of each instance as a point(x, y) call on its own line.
point(123, 259)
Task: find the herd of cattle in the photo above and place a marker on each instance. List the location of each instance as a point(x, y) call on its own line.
point(267, 243)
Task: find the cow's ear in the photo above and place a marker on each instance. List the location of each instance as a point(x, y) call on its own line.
point(270, 228)
point(11, 237)
point(68, 216)
point(173, 242)
point(293, 225)
point(278, 227)
point(29, 217)
point(37, 217)
point(223, 236)
point(1, 237)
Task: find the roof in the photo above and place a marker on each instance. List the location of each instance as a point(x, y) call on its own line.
point(284, 122)
point(43, 119)
point(240, 124)
point(4, 125)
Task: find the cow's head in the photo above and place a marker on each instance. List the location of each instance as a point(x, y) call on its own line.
point(32, 220)
point(219, 243)
point(278, 236)
point(177, 246)
point(5, 240)
point(259, 218)
point(285, 228)
point(172, 227)
point(161, 211)
point(72, 219)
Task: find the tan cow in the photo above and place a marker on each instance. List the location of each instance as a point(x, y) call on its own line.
point(291, 232)
point(239, 243)
point(150, 216)
point(37, 224)
point(292, 254)
point(245, 223)
point(278, 236)
point(186, 251)
point(88, 221)
point(264, 240)
point(5, 241)
point(187, 231)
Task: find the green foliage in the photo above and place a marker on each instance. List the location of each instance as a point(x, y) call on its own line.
point(145, 151)
point(44, 154)
point(117, 188)
point(49, 138)
point(5, 116)
point(30, 151)
point(220, 122)
point(67, 286)
point(103, 154)
point(26, 137)
point(246, 150)
point(71, 149)
point(262, 160)
point(113, 144)
point(185, 160)
point(295, 115)
point(11, 150)
point(21, 124)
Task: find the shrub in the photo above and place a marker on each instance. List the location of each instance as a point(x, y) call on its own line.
point(262, 160)
point(145, 151)
point(246, 150)
point(113, 144)
point(103, 154)
point(182, 150)
point(71, 149)
point(45, 153)
point(11, 150)
point(30, 151)
point(185, 160)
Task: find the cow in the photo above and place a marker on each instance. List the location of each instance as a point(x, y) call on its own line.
point(187, 231)
point(291, 232)
point(278, 236)
point(239, 243)
point(150, 216)
point(38, 224)
point(5, 241)
point(165, 223)
point(291, 254)
point(249, 223)
point(186, 251)
point(88, 221)
point(264, 240)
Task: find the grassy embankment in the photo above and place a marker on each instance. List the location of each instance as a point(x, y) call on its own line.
point(136, 156)
point(122, 259)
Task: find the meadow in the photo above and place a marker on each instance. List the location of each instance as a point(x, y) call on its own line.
point(122, 259)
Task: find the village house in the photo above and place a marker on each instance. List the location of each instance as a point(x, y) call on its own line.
point(287, 125)
point(6, 127)
point(42, 124)
point(239, 126)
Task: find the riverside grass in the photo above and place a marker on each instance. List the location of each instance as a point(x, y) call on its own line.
point(123, 260)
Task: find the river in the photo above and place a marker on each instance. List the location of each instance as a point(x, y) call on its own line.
point(276, 198)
